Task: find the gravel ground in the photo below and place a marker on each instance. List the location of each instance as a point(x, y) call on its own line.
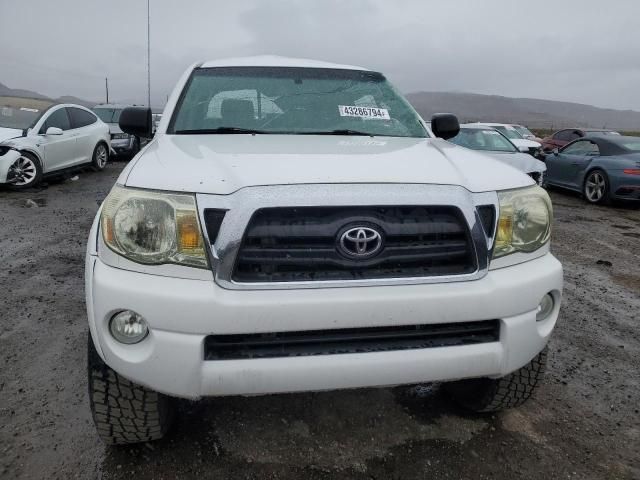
point(583, 423)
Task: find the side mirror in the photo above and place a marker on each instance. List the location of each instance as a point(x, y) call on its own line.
point(555, 151)
point(523, 149)
point(445, 125)
point(136, 121)
point(54, 131)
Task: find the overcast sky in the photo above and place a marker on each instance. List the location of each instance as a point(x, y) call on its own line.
point(585, 51)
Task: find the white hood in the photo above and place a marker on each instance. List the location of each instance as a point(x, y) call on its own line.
point(223, 164)
point(7, 133)
point(522, 161)
point(523, 142)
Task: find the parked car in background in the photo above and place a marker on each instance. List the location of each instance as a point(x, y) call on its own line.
point(156, 120)
point(526, 133)
point(568, 135)
point(35, 143)
point(494, 143)
point(509, 131)
point(122, 143)
point(602, 167)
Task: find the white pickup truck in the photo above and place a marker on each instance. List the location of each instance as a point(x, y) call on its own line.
point(293, 227)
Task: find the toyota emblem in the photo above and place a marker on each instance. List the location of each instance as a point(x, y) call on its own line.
point(360, 242)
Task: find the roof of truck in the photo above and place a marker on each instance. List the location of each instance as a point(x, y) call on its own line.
point(276, 61)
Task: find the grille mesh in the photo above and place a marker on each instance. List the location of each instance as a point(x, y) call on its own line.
point(300, 244)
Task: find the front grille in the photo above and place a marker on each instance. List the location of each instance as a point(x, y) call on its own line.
point(301, 244)
point(349, 340)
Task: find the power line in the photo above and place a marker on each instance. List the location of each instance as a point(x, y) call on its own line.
point(148, 56)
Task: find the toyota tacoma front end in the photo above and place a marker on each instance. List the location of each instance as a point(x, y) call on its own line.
point(293, 227)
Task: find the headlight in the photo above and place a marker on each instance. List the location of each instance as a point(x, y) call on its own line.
point(153, 228)
point(524, 224)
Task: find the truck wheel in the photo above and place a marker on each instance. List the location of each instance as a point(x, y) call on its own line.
point(123, 411)
point(492, 395)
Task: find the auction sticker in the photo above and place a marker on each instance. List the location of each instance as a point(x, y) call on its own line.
point(363, 112)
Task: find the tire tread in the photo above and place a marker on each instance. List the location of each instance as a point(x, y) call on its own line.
point(124, 412)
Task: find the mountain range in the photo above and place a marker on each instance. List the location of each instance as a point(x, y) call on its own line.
point(472, 107)
point(534, 113)
point(6, 91)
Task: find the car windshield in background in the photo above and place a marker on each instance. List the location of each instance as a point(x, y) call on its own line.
point(524, 131)
point(630, 143)
point(19, 118)
point(108, 115)
point(279, 100)
point(510, 133)
point(483, 139)
point(602, 133)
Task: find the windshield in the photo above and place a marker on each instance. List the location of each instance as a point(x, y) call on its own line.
point(523, 130)
point(632, 143)
point(483, 139)
point(509, 132)
point(108, 115)
point(293, 101)
point(599, 133)
point(20, 118)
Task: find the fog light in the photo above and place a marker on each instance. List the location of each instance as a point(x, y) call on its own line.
point(545, 308)
point(128, 327)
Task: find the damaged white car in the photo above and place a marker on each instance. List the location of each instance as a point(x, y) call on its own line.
point(36, 142)
point(494, 143)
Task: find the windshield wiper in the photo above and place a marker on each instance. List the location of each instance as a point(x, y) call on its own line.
point(339, 132)
point(219, 130)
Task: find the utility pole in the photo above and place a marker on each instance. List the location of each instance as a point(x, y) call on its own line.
point(106, 86)
point(148, 57)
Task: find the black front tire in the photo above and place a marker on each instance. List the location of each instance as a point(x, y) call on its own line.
point(596, 176)
point(34, 163)
point(100, 157)
point(493, 395)
point(123, 411)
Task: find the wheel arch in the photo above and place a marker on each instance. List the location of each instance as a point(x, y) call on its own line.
point(588, 171)
point(35, 153)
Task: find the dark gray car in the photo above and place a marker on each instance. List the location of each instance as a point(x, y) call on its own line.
point(602, 168)
point(122, 143)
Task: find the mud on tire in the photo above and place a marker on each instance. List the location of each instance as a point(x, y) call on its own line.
point(492, 395)
point(123, 411)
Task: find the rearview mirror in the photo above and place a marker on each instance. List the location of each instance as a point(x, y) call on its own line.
point(53, 131)
point(445, 125)
point(137, 121)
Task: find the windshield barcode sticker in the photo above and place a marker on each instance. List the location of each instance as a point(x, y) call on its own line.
point(364, 112)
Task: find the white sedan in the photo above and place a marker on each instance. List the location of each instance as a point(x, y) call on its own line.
point(512, 133)
point(35, 142)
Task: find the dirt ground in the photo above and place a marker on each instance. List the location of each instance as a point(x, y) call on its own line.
point(583, 423)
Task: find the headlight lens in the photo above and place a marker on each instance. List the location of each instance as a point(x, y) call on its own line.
point(153, 228)
point(524, 224)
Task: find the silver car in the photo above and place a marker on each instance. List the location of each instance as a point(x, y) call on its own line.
point(494, 143)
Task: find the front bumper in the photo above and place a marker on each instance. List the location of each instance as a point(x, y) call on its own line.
point(6, 161)
point(123, 146)
point(181, 312)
